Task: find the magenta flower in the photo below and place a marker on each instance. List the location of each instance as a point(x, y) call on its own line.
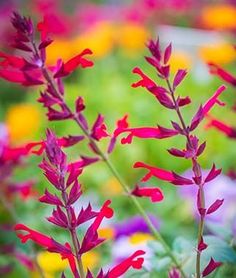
point(210, 267)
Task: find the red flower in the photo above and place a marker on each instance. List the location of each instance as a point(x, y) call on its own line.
point(145, 81)
point(134, 261)
point(162, 174)
point(141, 132)
point(12, 61)
point(69, 66)
point(226, 76)
point(213, 100)
point(91, 239)
point(47, 242)
point(221, 126)
point(154, 171)
point(154, 193)
point(146, 132)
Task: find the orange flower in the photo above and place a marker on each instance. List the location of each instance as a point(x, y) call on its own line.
point(219, 16)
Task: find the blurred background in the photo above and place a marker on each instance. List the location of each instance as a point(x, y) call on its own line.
point(201, 32)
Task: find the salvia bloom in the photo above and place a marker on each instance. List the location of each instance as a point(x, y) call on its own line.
point(31, 69)
point(65, 180)
point(167, 97)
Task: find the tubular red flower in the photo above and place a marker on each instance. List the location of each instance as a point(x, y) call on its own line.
point(68, 67)
point(221, 126)
point(105, 212)
point(35, 236)
point(213, 100)
point(156, 172)
point(144, 132)
point(134, 261)
point(13, 61)
point(47, 242)
point(145, 81)
point(226, 76)
point(154, 193)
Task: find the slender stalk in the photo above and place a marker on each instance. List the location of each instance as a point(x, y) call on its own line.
point(198, 173)
point(74, 237)
point(113, 170)
point(200, 233)
point(15, 219)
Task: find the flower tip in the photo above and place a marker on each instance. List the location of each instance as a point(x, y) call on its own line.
point(138, 164)
point(136, 70)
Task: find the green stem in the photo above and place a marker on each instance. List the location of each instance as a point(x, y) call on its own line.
point(137, 204)
point(200, 233)
point(74, 237)
point(198, 173)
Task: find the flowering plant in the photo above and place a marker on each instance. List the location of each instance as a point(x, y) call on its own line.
point(32, 69)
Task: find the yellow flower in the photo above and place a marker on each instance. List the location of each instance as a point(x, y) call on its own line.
point(221, 53)
point(219, 16)
point(22, 120)
point(51, 262)
point(112, 187)
point(37, 275)
point(90, 259)
point(180, 60)
point(131, 37)
point(60, 49)
point(107, 233)
point(138, 238)
point(99, 38)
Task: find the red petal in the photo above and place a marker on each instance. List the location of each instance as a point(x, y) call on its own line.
point(132, 261)
point(154, 171)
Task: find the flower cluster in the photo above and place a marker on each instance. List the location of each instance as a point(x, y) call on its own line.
point(29, 70)
point(65, 180)
point(32, 69)
point(167, 97)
